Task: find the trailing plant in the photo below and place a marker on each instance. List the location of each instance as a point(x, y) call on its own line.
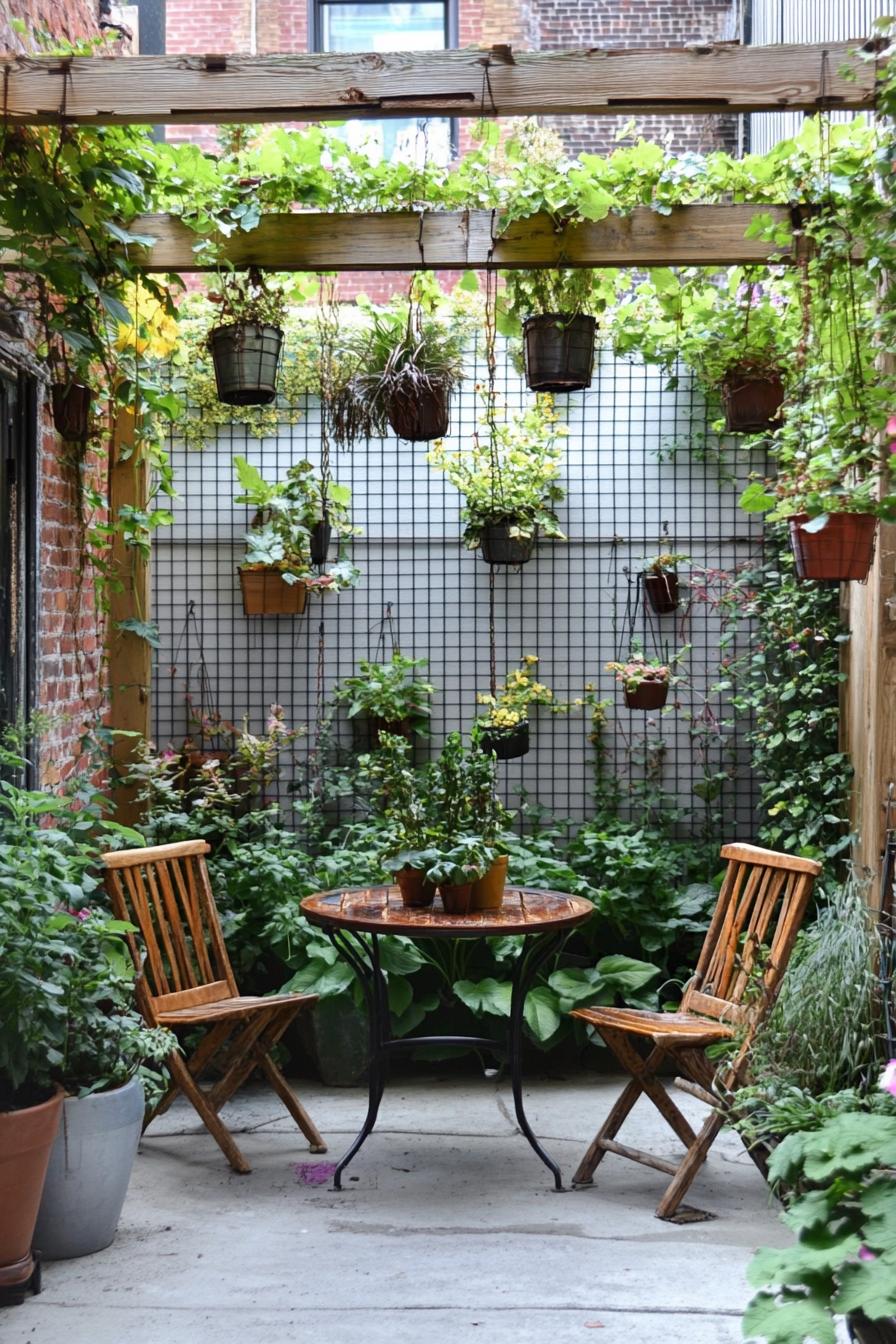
point(512, 703)
point(510, 473)
point(639, 670)
point(390, 692)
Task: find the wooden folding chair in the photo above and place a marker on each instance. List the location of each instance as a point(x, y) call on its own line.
point(737, 978)
point(187, 981)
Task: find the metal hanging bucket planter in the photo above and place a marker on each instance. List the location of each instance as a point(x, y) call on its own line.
point(661, 591)
point(506, 743)
point(246, 358)
point(500, 548)
point(558, 351)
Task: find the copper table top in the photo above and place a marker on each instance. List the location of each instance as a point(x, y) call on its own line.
point(381, 910)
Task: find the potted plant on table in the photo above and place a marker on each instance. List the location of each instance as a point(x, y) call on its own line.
point(246, 342)
point(509, 478)
point(661, 581)
point(409, 360)
point(504, 728)
point(276, 574)
point(644, 681)
point(389, 695)
point(844, 1260)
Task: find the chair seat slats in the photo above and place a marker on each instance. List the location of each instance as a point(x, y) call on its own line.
point(642, 1023)
point(242, 1006)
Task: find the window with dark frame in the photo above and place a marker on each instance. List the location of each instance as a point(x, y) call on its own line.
point(18, 525)
point(391, 25)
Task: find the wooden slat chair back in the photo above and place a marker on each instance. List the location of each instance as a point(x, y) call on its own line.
point(186, 980)
point(757, 916)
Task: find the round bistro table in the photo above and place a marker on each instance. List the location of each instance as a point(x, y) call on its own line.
point(543, 918)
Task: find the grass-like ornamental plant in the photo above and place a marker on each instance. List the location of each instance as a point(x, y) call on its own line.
point(510, 473)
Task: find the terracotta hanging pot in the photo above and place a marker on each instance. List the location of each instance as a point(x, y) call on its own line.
point(72, 404)
point(488, 891)
point(421, 417)
point(246, 357)
point(649, 695)
point(415, 890)
point(558, 351)
point(661, 591)
point(266, 593)
point(841, 550)
point(456, 900)
point(751, 401)
point(500, 548)
point(506, 743)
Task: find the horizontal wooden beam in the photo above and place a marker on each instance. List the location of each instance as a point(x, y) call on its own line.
point(310, 87)
point(692, 235)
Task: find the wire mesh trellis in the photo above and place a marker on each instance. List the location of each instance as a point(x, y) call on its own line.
point(628, 495)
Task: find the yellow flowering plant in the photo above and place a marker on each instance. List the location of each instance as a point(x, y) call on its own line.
point(510, 706)
point(510, 473)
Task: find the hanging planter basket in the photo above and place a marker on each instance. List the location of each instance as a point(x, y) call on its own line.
point(558, 350)
point(246, 357)
point(506, 743)
point(422, 416)
point(751, 401)
point(841, 550)
point(500, 548)
point(266, 593)
point(661, 592)
point(649, 695)
point(72, 403)
point(321, 534)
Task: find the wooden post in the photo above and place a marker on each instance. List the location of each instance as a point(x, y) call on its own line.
point(129, 656)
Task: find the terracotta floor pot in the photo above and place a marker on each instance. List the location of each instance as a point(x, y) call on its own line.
point(649, 695)
point(661, 591)
point(266, 593)
point(843, 549)
point(488, 892)
point(26, 1139)
point(500, 548)
point(415, 891)
point(246, 358)
point(558, 350)
point(457, 900)
point(420, 418)
point(751, 403)
point(507, 744)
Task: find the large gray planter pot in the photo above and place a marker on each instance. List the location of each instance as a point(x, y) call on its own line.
point(90, 1167)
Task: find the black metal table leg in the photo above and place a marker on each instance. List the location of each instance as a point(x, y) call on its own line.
point(364, 960)
point(536, 951)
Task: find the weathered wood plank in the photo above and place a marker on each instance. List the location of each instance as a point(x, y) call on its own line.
point(471, 82)
point(692, 235)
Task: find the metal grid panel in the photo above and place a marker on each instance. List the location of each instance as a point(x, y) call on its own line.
point(569, 604)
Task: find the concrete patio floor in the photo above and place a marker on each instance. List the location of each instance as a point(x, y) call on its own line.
point(448, 1230)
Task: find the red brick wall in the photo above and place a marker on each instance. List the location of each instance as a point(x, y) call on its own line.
point(69, 19)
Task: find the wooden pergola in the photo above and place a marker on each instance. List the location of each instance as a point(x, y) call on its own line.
point(709, 80)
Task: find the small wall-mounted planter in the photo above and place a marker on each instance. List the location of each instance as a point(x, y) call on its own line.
point(649, 695)
point(506, 743)
point(266, 593)
point(246, 358)
point(751, 403)
point(72, 403)
point(321, 535)
point(841, 550)
point(415, 890)
point(422, 417)
point(488, 891)
point(500, 548)
point(661, 591)
point(558, 351)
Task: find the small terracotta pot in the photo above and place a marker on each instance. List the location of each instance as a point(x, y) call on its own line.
point(500, 548)
point(488, 892)
point(649, 695)
point(421, 418)
point(843, 549)
point(751, 402)
point(26, 1138)
point(266, 593)
point(661, 591)
point(506, 743)
point(457, 900)
point(415, 890)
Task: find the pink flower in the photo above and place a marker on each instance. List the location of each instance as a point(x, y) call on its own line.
point(865, 1254)
point(888, 1079)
